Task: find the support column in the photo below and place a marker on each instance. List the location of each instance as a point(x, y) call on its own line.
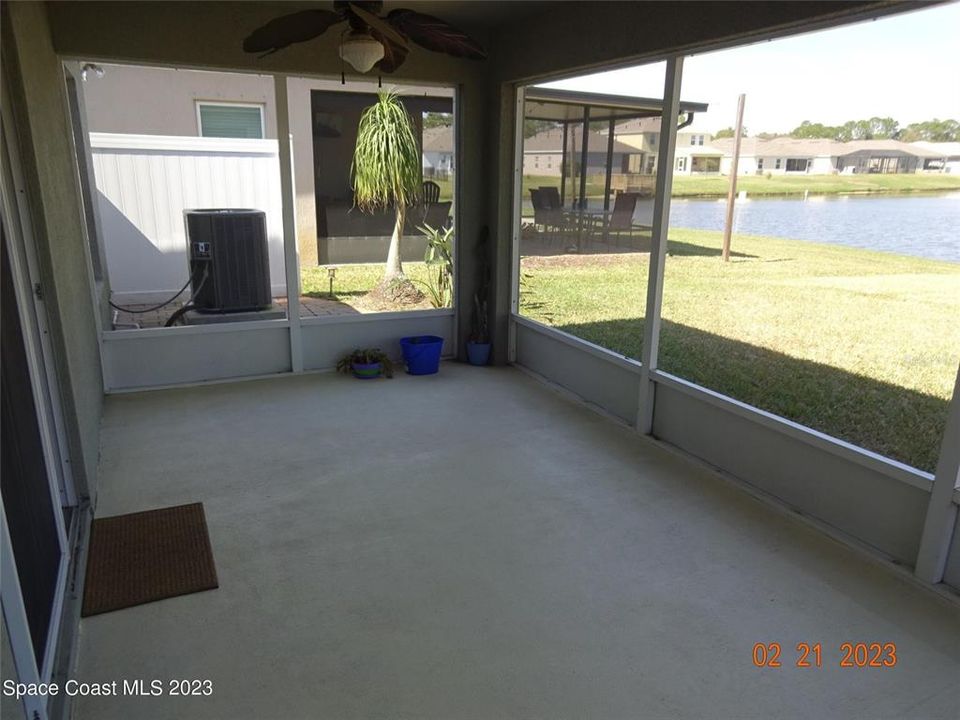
point(609, 178)
point(941, 519)
point(658, 241)
point(563, 167)
point(584, 143)
point(289, 202)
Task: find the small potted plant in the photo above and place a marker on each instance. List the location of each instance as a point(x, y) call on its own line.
point(366, 364)
point(478, 346)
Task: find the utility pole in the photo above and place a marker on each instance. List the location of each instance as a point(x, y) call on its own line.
point(732, 192)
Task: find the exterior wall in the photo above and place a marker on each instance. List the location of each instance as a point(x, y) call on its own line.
point(144, 184)
point(823, 166)
point(437, 164)
point(541, 163)
point(34, 76)
point(647, 142)
point(42, 115)
point(746, 166)
point(685, 139)
point(548, 163)
point(161, 101)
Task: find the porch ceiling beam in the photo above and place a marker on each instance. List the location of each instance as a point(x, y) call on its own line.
point(658, 242)
point(568, 102)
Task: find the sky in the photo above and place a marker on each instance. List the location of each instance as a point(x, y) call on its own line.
point(906, 67)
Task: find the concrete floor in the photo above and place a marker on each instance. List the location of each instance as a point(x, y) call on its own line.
point(473, 545)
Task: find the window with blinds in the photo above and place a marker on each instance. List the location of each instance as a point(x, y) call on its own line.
point(230, 121)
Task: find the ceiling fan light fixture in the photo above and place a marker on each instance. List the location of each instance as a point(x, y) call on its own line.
point(361, 50)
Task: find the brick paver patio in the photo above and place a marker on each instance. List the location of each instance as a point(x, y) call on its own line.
point(309, 307)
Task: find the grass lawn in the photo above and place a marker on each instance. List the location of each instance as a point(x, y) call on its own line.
point(816, 184)
point(354, 281)
point(858, 344)
point(716, 185)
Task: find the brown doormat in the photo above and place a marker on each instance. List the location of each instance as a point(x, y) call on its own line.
point(147, 556)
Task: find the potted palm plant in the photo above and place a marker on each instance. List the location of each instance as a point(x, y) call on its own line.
point(387, 172)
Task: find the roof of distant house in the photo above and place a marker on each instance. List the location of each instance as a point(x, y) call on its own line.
point(817, 147)
point(652, 125)
point(552, 141)
point(438, 139)
point(944, 149)
point(784, 146)
point(910, 148)
point(639, 125)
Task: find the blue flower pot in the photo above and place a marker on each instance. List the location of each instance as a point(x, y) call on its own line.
point(421, 353)
point(367, 371)
point(478, 353)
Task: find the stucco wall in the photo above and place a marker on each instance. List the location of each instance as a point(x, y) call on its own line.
point(43, 126)
point(162, 101)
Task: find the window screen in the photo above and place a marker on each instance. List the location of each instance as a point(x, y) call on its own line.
point(231, 121)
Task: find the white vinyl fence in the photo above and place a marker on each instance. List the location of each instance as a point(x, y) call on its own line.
point(145, 182)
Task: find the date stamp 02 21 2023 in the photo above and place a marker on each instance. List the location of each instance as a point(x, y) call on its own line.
point(852, 655)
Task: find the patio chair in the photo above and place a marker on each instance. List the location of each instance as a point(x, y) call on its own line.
point(620, 221)
point(545, 217)
point(551, 195)
point(431, 192)
point(436, 215)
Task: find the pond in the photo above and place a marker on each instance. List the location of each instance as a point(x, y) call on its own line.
point(926, 226)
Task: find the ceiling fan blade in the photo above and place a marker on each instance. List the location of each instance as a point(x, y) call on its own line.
point(288, 29)
point(381, 26)
point(393, 54)
point(435, 34)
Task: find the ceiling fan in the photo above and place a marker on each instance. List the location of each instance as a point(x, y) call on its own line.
point(370, 40)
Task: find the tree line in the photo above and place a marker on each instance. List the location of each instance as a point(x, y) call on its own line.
point(876, 128)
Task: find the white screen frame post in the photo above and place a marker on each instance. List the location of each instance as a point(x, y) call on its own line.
point(941, 519)
point(291, 253)
point(658, 242)
point(516, 220)
point(17, 626)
